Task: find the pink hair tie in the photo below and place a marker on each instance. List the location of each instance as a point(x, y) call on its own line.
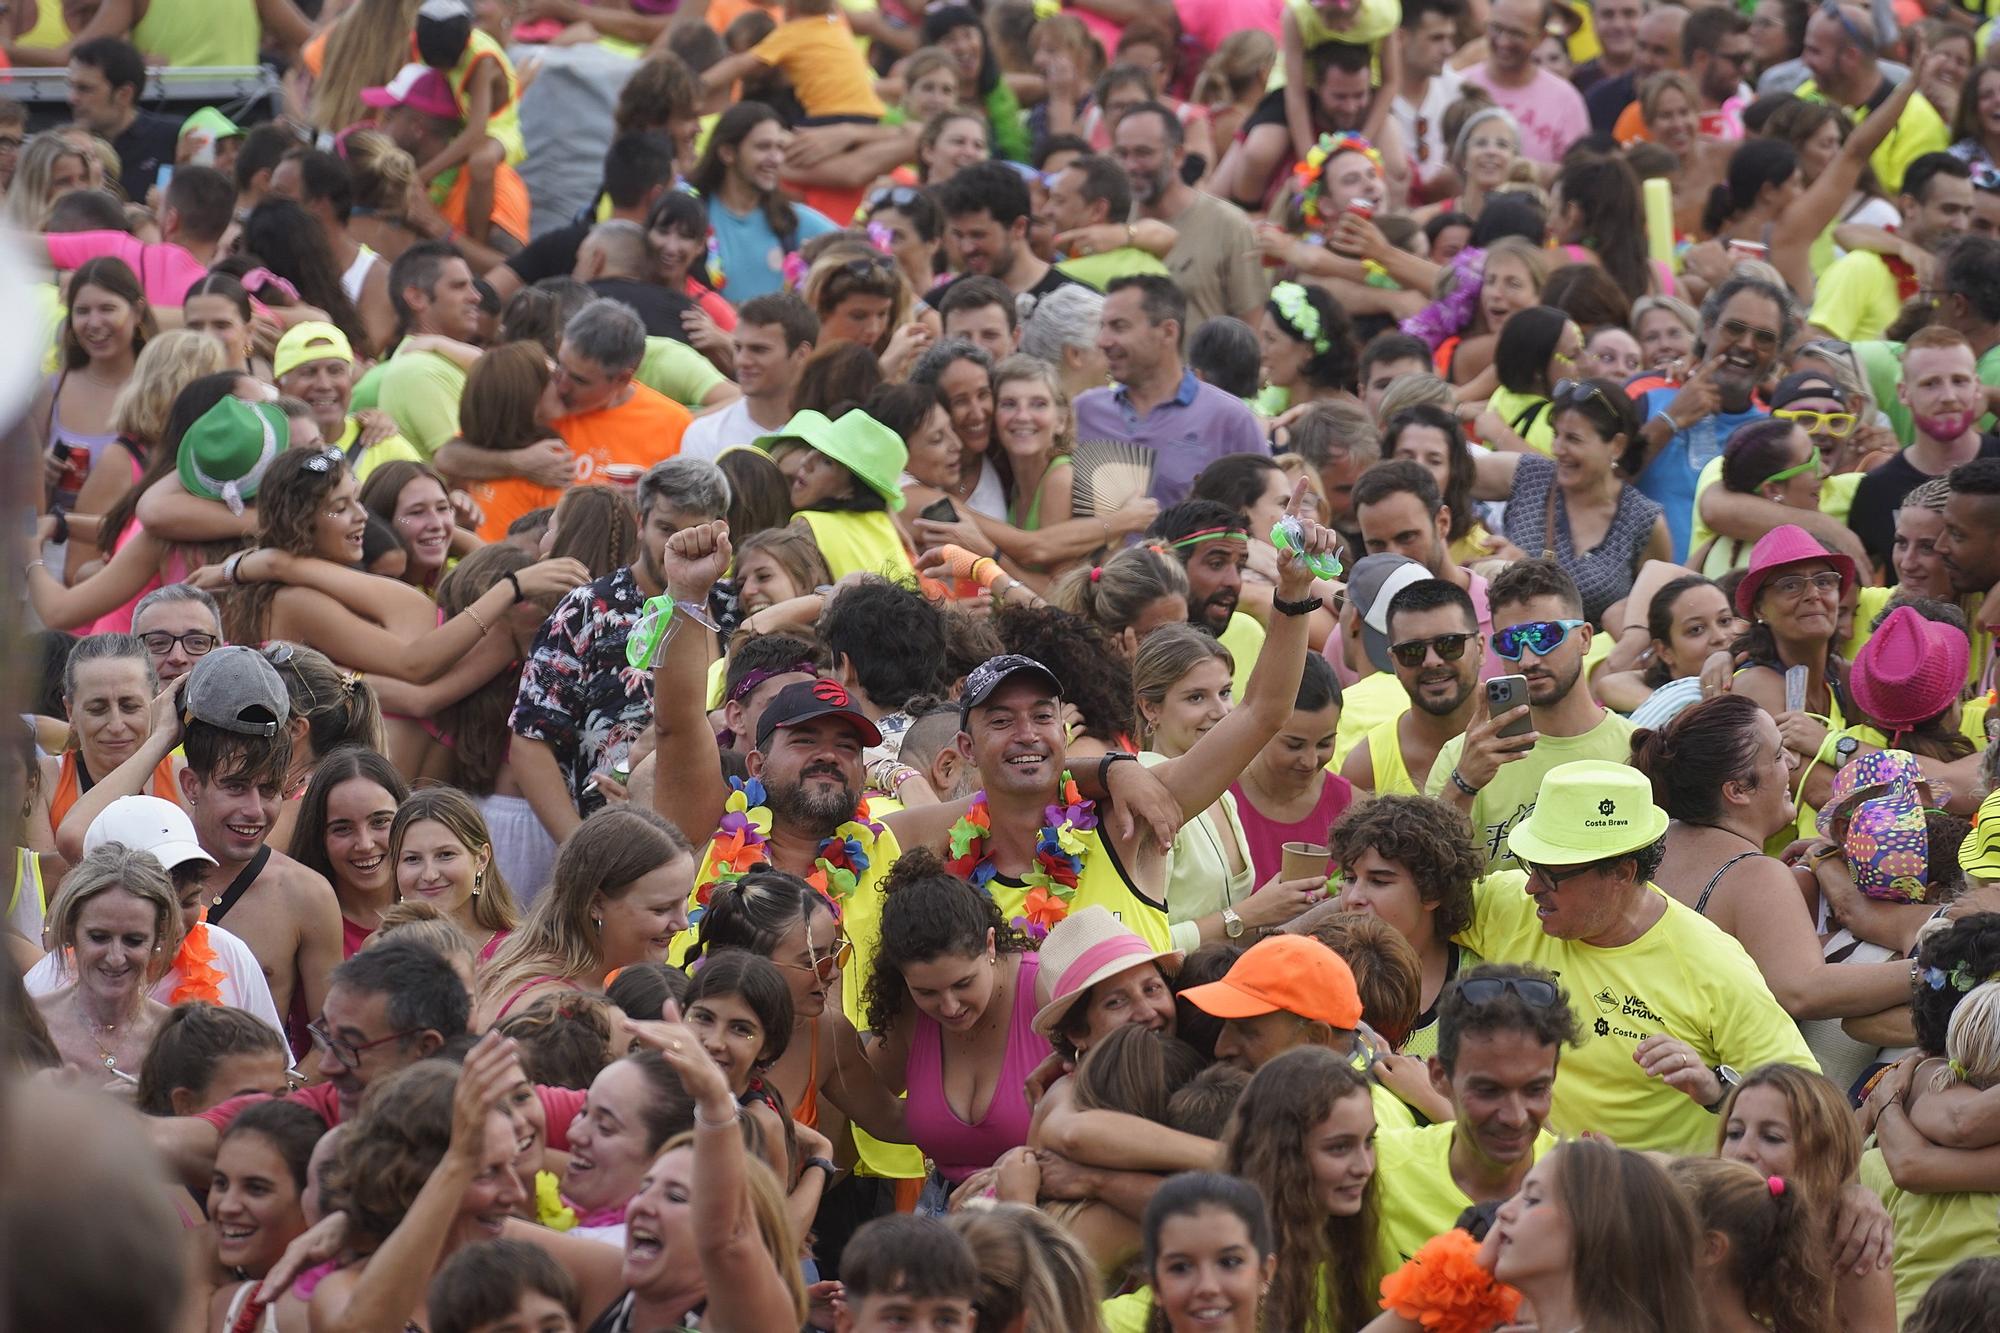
point(257, 279)
point(1096, 573)
point(1777, 1185)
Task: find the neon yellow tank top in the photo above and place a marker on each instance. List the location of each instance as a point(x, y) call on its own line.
point(851, 540)
point(211, 32)
point(1385, 758)
point(49, 30)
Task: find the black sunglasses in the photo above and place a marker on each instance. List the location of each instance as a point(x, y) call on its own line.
point(1450, 648)
point(1575, 393)
point(1534, 992)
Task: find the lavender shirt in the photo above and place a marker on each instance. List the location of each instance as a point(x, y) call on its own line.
point(1198, 425)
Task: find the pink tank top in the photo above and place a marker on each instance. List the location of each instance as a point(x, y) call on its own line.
point(960, 1149)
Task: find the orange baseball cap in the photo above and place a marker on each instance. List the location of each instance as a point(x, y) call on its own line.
point(1293, 974)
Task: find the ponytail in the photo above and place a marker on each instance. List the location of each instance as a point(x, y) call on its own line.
point(1777, 1250)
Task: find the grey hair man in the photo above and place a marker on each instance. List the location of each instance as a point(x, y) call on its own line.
point(179, 624)
point(615, 260)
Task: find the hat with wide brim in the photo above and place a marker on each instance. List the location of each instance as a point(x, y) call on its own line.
point(857, 441)
point(1910, 670)
point(1589, 810)
point(224, 454)
point(1786, 544)
point(1086, 947)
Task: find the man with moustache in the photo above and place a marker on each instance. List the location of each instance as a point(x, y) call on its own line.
point(1745, 323)
point(1212, 542)
point(231, 721)
point(1435, 648)
point(1214, 258)
point(1501, 1032)
point(1539, 630)
point(581, 708)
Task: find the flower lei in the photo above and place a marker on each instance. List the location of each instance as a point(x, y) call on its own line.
point(1310, 169)
point(742, 838)
point(1961, 978)
point(1052, 881)
point(200, 978)
point(1444, 1289)
point(1296, 307)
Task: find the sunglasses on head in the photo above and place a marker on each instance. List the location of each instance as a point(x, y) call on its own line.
point(1575, 393)
point(1450, 648)
point(891, 196)
point(1541, 637)
point(1534, 992)
point(323, 462)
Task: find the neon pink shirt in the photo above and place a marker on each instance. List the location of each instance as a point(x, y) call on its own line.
point(166, 271)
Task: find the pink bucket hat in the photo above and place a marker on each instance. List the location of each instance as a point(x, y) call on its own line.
point(1787, 544)
point(1910, 670)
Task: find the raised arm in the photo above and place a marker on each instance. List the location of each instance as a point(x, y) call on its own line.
point(168, 512)
point(129, 778)
point(1199, 777)
point(122, 578)
point(695, 558)
point(1747, 517)
point(1800, 225)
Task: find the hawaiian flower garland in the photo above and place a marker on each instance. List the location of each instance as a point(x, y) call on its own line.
point(1311, 170)
point(1444, 1289)
point(742, 839)
point(1052, 881)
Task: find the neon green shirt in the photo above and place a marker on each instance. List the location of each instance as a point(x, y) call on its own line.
point(1856, 298)
point(1508, 799)
point(1919, 130)
point(1413, 1181)
point(1097, 271)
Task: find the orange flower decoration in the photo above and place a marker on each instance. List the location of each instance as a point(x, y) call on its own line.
point(200, 978)
point(1444, 1289)
point(1043, 908)
point(735, 851)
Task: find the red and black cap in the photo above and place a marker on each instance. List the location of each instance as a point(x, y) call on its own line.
point(807, 700)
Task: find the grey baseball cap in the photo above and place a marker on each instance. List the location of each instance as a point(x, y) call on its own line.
point(1371, 586)
point(236, 689)
point(990, 675)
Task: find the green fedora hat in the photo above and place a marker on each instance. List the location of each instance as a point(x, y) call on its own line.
point(225, 452)
point(857, 441)
point(1589, 810)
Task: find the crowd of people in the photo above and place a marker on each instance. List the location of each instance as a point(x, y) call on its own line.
point(1024, 667)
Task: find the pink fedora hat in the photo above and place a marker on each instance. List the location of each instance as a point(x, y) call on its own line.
point(1787, 544)
point(1910, 670)
point(1084, 948)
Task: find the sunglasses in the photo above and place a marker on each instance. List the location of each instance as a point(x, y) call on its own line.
point(1534, 993)
point(1832, 9)
point(891, 196)
point(1816, 422)
point(1557, 878)
point(1794, 586)
point(1450, 648)
point(1765, 339)
point(1541, 637)
point(1812, 465)
point(1575, 393)
point(323, 462)
point(827, 966)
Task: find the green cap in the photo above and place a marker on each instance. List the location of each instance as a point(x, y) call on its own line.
point(858, 442)
point(225, 452)
point(212, 120)
point(1589, 810)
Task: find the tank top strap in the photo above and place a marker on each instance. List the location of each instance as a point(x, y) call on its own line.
point(1701, 903)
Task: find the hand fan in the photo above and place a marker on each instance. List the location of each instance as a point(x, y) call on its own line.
point(1108, 475)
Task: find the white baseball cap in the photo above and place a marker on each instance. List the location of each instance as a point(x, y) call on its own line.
point(147, 824)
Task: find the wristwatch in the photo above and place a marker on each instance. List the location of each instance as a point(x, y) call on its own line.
point(1843, 750)
point(1730, 1081)
point(1232, 924)
point(824, 1164)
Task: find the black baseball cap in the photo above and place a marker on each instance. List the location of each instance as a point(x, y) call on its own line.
point(808, 699)
point(994, 672)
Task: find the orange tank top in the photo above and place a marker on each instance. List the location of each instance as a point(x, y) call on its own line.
point(807, 1111)
point(69, 786)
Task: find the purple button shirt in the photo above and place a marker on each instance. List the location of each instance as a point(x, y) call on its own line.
point(1198, 425)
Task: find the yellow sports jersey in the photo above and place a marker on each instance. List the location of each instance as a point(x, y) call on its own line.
point(1919, 130)
point(1933, 1231)
point(1413, 1181)
point(1684, 977)
point(1508, 799)
point(1244, 638)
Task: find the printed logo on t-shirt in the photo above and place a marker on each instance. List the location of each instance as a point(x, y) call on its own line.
point(1497, 833)
point(1613, 1006)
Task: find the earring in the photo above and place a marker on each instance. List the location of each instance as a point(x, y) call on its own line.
point(597, 922)
point(478, 882)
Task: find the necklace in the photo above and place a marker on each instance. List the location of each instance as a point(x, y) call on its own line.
point(1052, 880)
point(742, 843)
point(108, 1058)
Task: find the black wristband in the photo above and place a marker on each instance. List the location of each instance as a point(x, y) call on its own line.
point(1305, 608)
point(1104, 768)
point(519, 596)
point(61, 517)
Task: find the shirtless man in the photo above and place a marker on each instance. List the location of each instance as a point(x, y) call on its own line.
point(230, 715)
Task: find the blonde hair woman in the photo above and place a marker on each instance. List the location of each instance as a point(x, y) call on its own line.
point(443, 854)
point(49, 166)
point(363, 49)
point(618, 896)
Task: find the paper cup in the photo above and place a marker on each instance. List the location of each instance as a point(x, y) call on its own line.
point(625, 476)
point(1304, 860)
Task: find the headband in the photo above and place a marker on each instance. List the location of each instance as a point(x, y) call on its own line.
point(752, 679)
point(1311, 169)
point(1289, 299)
point(1211, 535)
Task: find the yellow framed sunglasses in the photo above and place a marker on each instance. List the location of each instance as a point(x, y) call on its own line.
point(1837, 424)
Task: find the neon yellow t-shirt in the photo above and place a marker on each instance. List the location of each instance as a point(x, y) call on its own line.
point(1684, 977)
point(1413, 1181)
point(1933, 1231)
point(1244, 638)
point(1856, 297)
point(364, 461)
point(864, 541)
point(1364, 706)
point(1919, 130)
point(1099, 270)
point(1508, 799)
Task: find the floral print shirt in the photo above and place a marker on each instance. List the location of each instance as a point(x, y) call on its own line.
point(578, 696)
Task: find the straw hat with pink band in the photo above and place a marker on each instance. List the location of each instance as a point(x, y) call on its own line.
point(1910, 671)
point(1088, 946)
point(1787, 544)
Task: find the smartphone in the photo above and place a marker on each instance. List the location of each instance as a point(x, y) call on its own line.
point(1795, 689)
point(1503, 693)
point(940, 512)
point(164, 177)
